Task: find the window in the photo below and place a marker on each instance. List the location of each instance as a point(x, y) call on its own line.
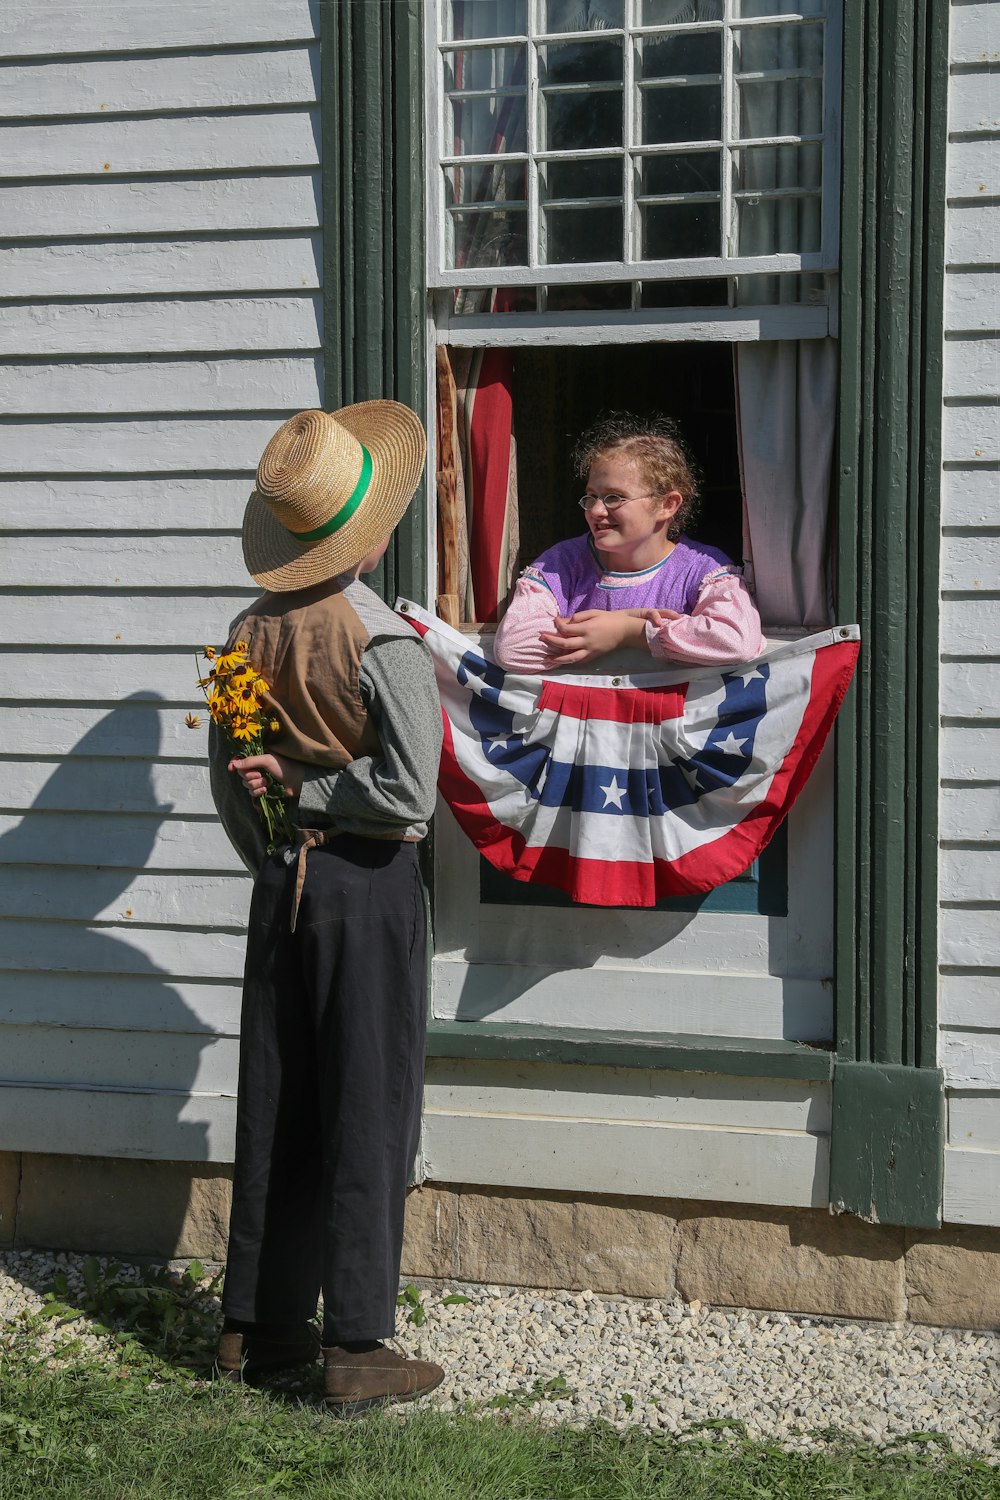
point(629, 143)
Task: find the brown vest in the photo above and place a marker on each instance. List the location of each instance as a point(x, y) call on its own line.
point(308, 645)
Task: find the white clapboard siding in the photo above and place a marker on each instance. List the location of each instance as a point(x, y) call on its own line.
point(970, 495)
point(62, 947)
point(94, 445)
point(970, 813)
point(974, 39)
point(969, 823)
point(971, 562)
point(101, 387)
point(972, 365)
point(971, 430)
point(968, 689)
point(117, 1002)
point(971, 999)
point(171, 206)
point(970, 753)
point(101, 676)
point(176, 1062)
point(269, 262)
point(189, 621)
point(129, 841)
point(971, 301)
point(970, 626)
point(173, 502)
point(127, 562)
point(133, 1122)
point(110, 784)
point(141, 85)
point(160, 316)
point(33, 30)
point(969, 874)
point(609, 1156)
point(146, 898)
point(193, 143)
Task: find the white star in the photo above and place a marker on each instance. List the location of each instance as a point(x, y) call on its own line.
point(691, 777)
point(731, 745)
point(613, 793)
point(750, 676)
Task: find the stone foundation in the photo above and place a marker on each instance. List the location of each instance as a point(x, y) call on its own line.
point(788, 1260)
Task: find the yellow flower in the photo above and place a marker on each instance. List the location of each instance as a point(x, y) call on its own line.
point(231, 661)
point(192, 721)
point(242, 727)
point(274, 726)
point(209, 653)
point(218, 704)
point(246, 689)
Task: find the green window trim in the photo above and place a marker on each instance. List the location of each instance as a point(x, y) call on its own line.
point(889, 458)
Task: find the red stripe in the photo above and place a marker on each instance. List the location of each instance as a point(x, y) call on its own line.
point(489, 463)
point(595, 882)
point(614, 705)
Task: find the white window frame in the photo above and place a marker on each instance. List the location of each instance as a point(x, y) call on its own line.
point(629, 269)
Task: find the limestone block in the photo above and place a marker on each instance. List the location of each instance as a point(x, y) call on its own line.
point(804, 1261)
point(953, 1277)
point(430, 1232)
point(606, 1244)
point(10, 1173)
point(123, 1207)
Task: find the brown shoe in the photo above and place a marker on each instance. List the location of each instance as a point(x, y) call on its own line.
point(242, 1356)
point(354, 1382)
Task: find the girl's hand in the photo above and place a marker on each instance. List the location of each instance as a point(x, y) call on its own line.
point(593, 632)
point(255, 770)
point(655, 616)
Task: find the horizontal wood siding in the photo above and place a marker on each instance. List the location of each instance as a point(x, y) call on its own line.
point(160, 270)
point(969, 1009)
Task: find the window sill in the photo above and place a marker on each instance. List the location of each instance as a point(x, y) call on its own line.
point(751, 1057)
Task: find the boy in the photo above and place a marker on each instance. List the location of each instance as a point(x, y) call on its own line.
point(332, 1036)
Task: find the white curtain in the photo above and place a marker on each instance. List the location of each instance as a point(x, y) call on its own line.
point(786, 404)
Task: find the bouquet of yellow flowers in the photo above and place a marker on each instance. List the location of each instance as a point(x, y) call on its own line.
point(234, 693)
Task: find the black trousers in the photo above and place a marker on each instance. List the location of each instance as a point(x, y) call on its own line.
point(331, 1079)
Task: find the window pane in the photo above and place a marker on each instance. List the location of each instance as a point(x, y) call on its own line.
point(480, 120)
point(681, 114)
point(680, 172)
point(582, 15)
point(581, 95)
point(483, 18)
point(581, 179)
point(775, 211)
point(778, 7)
point(575, 235)
point(789, 48)
point(502, 183)
point(693, 293)
point(609, 296)
point(670, 12)
point(680, 54)
point(495, 238)
point(680, 231)
point(791, 106)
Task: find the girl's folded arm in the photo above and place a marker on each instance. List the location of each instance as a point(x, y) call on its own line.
point(517, 645)
point(724, 626)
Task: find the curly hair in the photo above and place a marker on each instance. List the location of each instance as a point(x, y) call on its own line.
point(654, 445)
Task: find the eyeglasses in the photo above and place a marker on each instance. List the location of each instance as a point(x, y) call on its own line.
point(612, 502)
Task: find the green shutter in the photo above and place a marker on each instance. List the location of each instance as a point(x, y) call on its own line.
point(883, 1165)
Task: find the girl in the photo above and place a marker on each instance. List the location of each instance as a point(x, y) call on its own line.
point(634, 579)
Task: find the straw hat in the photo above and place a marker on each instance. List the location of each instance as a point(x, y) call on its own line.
point(330, 487)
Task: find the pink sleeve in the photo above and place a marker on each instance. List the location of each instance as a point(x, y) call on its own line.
point(516, 645)
point(724, 626)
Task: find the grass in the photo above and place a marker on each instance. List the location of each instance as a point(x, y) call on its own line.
point(138, 1424)
point(116, 1433)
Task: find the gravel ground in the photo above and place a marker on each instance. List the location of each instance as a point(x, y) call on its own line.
point(666, 1365)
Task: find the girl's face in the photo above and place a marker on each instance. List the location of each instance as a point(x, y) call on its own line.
point(634, 536)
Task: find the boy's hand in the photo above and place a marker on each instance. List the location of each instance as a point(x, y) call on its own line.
point(593, 632)
point(257, 768)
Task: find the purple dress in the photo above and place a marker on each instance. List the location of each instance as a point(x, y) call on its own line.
point(572, 572)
